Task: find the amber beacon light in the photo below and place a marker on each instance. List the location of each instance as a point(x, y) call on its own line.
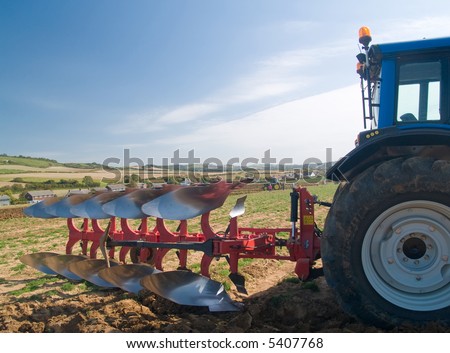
point(364, 36)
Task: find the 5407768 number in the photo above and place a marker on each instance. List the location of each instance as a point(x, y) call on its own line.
point(295, 342)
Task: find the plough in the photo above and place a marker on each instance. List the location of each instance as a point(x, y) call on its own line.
point(147, 246)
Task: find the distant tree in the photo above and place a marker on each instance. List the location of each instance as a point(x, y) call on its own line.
point(170, 180)
point(88, 181)
point(69, 182)
point(132, 180)
point(16, 188)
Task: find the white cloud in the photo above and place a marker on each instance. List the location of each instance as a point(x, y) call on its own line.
point(255, 89)
point(404, 29)
point(299, 129)
point(154, 121)
point(285, 74)
point(187, 113)
point(137, 122)
point(279, 77)
point(291, 59)
point(291, 71)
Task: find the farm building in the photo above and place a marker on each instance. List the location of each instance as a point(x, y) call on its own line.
point(5, 200)
point(78, 192)
point(116, 187)
point(38, 196)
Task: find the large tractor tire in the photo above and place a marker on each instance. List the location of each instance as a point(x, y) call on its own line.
point(386, 243)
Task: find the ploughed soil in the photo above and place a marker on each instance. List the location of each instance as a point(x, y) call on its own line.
point(33, 302)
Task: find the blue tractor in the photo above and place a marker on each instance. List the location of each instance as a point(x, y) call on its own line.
point(386, 243)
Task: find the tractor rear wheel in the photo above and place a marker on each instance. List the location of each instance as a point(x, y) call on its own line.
point(386, 243)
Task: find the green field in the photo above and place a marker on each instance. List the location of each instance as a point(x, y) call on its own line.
point(28, 161)
point(42, 162)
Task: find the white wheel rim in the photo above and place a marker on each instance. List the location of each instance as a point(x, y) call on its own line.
point(405, 255)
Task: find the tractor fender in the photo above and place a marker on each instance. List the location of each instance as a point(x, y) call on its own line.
point(377, 146)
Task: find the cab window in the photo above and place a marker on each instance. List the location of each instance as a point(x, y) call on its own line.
point(419, 92)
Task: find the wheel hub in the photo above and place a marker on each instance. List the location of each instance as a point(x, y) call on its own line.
point(414, 248)
point(416, 252)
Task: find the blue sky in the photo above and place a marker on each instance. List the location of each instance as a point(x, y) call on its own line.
point(84, 80)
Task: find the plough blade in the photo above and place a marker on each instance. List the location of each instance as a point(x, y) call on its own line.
point(239, 207)
point(35, 261)
point(89, 269)
point(129, 205)
point(62, 208)
point(93, 207)
point(60, 265)
point(39, 210)
point(187, 288)
point(128, 277)
point(239, 281)
point(189, 202)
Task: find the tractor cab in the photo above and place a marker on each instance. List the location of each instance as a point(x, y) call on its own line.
point(404, 83)
point(405, 90)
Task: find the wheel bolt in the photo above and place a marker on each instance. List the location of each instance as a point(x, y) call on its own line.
point(429, 246)
point(399, 250)
point(390, 261)
point(426, 257)
point(445, 258)
point(398, 230)
point(432, 229)
point(405, 259)
point(416, 262)
point(418, 278)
